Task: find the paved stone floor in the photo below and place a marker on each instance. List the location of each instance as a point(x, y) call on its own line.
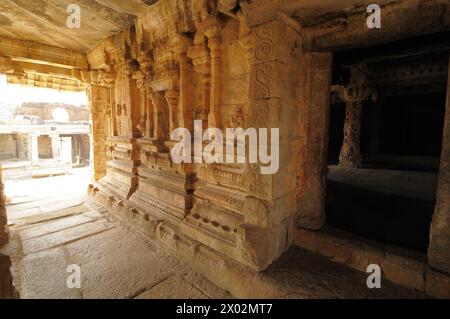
point(52, 232)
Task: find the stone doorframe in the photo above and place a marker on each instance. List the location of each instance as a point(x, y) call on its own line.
point(430, 273)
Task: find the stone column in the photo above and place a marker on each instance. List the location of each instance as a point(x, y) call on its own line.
point(350, 155)
point(439, 248)
point(186, 119)
point(56, 146)
point(214, 42)
point(314, 127)
point(34, 148)
point(202, 66)
point(99, 98)
point(132, 97)
point(142, 125)
point(149, 133)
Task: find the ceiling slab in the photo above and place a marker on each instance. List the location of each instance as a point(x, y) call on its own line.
point(44, 21)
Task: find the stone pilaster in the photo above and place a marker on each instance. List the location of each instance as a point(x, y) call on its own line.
point(160, 118)
point(439, 248)
point(185, 116)
point(314, 126)
point(172, 98)
point(202, 66)
point(143, 120)
point(214, 44)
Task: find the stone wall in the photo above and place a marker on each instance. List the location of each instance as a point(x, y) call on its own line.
point(13, 147)
point(248, 65)
point(45, 147)
point(44, 111)
point(6, 285)
point(8, 148)
point(197, 64)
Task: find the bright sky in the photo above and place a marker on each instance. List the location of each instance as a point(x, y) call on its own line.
point(17, 94)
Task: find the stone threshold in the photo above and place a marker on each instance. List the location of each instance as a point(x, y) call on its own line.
point(401, 266)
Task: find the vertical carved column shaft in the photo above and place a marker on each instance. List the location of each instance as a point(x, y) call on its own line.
point(206, 100)
point(314, 125)
point(214, 112)
point(350, 152)
point(143, 117)
point(135, 104)
point(99, 99)
point(185, 107)
point(150, 109)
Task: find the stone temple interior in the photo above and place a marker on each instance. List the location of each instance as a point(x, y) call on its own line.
point(363, 112)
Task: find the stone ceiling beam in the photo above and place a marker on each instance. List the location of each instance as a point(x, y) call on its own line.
point(418, 18)
point(38, 53)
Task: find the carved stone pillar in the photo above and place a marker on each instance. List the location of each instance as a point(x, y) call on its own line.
point(214, 43)
point(142, 123)
point(185, 118)
point(149, 132)
point(132, 98)
point(314, 126)
point(99, 99)
point(202, 66)
point(439, 248)
point(350, 154)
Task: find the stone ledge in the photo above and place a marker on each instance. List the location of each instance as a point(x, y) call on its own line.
point(400, 266)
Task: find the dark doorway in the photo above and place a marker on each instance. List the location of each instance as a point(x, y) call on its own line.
point(390, 196)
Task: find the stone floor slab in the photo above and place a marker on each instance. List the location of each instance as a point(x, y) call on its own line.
point(173, 287)
point(65, 236)
point(119, 264)
point(45, 276)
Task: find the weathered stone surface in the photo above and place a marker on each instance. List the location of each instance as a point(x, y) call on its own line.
point(153, 66)
point(172, 287)
point(438, 284)
point(316, 277)
point(58, 238)
point(407, 268)
point(314, 123)
point(306, 239)
point(48, 227)
point(45, 274)
point(7, 290)
point(405, 271)
point(114, 262)
point(439, 249)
